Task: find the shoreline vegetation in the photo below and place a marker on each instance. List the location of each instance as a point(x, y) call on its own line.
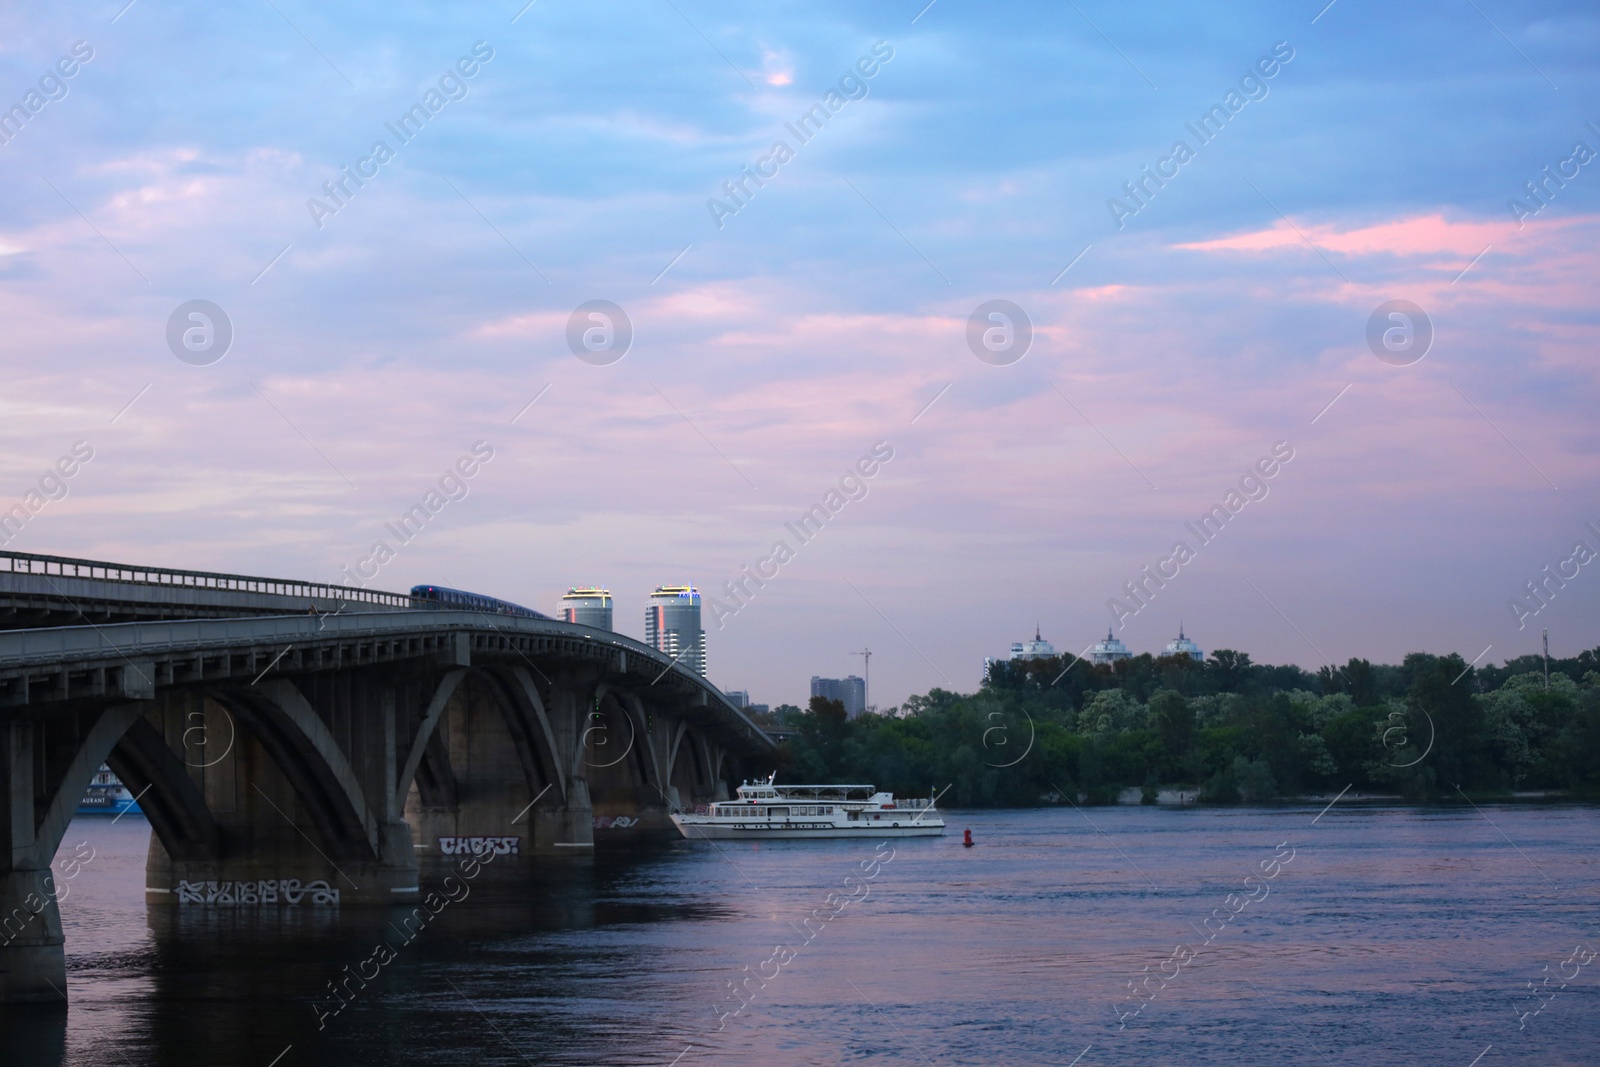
point(1174, 731)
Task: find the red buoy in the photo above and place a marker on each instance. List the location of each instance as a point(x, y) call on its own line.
point(966, 841)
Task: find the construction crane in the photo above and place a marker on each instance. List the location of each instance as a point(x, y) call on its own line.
point(866, 678)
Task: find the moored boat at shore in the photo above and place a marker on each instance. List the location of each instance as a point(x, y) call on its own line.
point(106, 795)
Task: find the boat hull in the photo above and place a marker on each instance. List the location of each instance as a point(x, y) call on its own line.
point(108, 805)
point(699, 828)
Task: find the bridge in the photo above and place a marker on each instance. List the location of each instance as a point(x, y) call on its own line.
point(287, 757)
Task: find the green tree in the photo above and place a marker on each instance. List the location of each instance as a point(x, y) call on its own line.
point(1228, 669)
point(1254, 778)
point(1173, 719)
point(1424, 727)
point(1460, 756)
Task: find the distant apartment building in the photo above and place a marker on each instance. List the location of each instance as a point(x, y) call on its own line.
point(588, 606)
point(1038, 648)
point(1183, 647)
point(851, 692)
point(740, 698)
point(1109, 651)
point(672, 625)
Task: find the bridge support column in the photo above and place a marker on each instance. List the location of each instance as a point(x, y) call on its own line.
point(41, 787)
point(566, 828)
point(33, 964)
point(715, 757)
point(646, 790)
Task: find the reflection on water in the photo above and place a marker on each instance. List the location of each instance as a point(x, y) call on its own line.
point(1393, 936)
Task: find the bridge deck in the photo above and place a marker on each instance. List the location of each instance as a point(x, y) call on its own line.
point(38, 591)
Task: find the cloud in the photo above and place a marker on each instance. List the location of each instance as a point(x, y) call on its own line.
point(411, 324)
point(777, 67)
point(1422, 235)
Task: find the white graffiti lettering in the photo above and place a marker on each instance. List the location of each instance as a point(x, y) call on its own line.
point(267, 891)
point(477, 846)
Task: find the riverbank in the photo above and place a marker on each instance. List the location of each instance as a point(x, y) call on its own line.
point(1189, 796)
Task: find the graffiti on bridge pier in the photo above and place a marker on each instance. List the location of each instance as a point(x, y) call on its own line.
point(267, 891)
point(477, 846)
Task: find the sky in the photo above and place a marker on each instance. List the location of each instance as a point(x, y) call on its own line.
point(1158, 340)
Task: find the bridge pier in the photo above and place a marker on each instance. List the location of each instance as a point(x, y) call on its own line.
point(33, 966)
point(567, 830)
point(46, 772)
point(670, 766)
point(31, 952)
point(497, 774)
point(617, 757)
point(566, 824)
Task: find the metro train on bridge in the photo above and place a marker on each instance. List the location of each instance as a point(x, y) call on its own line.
point(443, 598)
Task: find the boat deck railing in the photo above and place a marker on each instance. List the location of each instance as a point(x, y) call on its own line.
point(914, 806)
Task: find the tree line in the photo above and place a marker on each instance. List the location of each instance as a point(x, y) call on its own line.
point(1226, 730)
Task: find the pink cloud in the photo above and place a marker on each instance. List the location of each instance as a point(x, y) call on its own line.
point(777, 67)
point(1546, 264)
point(1104, 292)
point(1419, 236)
point(533, 324)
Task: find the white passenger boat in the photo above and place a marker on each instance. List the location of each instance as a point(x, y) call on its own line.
point(767, 811)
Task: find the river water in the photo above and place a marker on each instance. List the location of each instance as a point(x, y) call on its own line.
point(1368, 935)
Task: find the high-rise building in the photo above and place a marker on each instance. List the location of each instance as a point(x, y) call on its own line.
point(851, 692)
point(672, 625)
point(588, 606)
point(1183, 647)
point(1108, 651)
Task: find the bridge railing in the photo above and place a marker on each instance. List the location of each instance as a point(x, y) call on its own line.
point(67, 567)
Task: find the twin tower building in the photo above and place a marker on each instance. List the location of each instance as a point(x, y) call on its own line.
point(671, 620)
